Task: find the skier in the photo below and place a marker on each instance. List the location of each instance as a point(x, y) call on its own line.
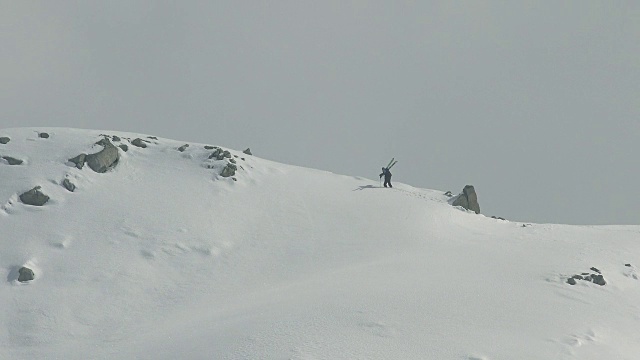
point(387, 176)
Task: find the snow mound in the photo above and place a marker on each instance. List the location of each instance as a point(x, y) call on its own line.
point(163, 257)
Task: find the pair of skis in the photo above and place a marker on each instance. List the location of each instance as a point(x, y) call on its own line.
point(391, 163)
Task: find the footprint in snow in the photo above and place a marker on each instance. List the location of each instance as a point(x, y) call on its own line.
point(630, 271)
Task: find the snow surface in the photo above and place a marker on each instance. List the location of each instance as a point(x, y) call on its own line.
point(161, 258)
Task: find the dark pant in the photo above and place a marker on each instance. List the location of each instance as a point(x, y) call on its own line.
point(387, 180)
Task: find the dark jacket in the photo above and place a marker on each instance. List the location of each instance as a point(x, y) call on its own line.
point(386, 173)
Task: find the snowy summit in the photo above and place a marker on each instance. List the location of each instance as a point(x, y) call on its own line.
point(129, 246)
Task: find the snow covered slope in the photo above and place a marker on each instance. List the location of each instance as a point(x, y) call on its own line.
point(162, 258)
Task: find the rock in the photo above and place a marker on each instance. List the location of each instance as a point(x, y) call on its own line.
point(627, 265)
point(183, 147)
point(577, 277)
point(587, 278)
point(4, 140)
point(468, 199)
point(229, 170)
point(209, 147)
point(152, 137)
point(124, 147)
point(247, 151)
point(25, 274)
point(226, 154)
point(104, 160)
point(595, 269)
point(43, 135)
point(571, 281)
point(68, 185)
point(104, 141)
point(12, 161)
point(448, 193)
point(233, 161)
point(498, 218)
point(598, 279)
point(139, 143)
point(34, 197)
point(79, 160)
point(115, 138)
point(218, 154)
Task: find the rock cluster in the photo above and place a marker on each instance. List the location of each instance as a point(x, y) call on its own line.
point(101, 161)
point(468, 199)
point(220, 154)
point(596, 277)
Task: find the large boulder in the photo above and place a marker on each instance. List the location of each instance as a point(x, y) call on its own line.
point(139, 143)
point(104, 160)
point(468, 199)
point(247, 151)
point(25, 274)
point(34, 197)
point(4, 140)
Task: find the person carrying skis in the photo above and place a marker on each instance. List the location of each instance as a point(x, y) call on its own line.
point(387, 176)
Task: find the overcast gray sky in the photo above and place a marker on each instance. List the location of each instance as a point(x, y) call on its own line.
point(535, 103)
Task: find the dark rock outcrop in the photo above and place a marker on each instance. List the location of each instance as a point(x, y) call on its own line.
point(229, 170)
point(152, 137)
point(68, 185)
point(4, 140)
point(597, 278)
point(219, 154)
point(79, 160)
point(139, 143)
point(104, 160)
point(248, 151)
point(12, 161)
point(43, 135)
point(209, 147)
point(448, 193)
point(25, 274)
point(183, 147)
point(498, 218)
point(124, 147)
point(34, 197)
point(115, 138)
point(468, 199)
